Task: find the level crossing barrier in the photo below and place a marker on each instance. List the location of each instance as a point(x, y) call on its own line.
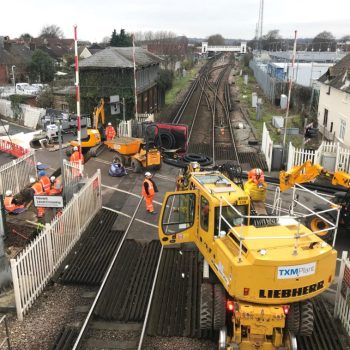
point(34, 266)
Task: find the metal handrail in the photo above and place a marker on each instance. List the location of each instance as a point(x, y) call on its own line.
point(297, 218)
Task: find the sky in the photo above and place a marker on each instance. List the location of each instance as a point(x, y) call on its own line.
point(193, 18)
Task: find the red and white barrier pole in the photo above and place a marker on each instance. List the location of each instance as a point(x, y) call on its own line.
point(77, 93)
point(135, 85)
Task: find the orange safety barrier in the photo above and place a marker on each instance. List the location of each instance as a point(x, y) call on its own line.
point(12, 148)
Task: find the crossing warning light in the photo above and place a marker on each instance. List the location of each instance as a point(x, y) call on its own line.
point(222, 131)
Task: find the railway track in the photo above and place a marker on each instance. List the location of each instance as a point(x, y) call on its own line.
point(206, 110)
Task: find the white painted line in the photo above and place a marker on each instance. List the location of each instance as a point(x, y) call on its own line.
point(127, 192)
point(129, 216)
point(163, 177)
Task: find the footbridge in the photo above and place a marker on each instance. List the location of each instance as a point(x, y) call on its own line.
point(223, 48)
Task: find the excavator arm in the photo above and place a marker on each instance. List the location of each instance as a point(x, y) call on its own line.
point(99, 114)
point(309, 172)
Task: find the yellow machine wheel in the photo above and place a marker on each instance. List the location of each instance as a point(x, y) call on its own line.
point(317, 224)
point(306, 318)
point(219, 317)
point(136, 166)
point(206, 307)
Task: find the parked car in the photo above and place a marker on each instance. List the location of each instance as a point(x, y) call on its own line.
point(26, 89)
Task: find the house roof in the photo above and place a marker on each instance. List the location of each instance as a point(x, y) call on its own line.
point(338, 76)
point(14, 54)
point(119, 57)
point(55, 47)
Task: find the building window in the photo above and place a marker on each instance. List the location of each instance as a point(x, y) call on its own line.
point(331, 130)
point(325, 117)
point(329, 90)
point(204, 213)
point(342, 129)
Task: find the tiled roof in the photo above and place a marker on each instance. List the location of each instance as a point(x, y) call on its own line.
point(119, 57)
point(338, 76)
point(15, 54)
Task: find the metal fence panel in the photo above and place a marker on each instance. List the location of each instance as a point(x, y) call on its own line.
point(342, 301)
point(15, 175)
point(34, 266)
point(267, 146)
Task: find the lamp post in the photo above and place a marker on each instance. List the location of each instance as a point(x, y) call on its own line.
point(13, 77)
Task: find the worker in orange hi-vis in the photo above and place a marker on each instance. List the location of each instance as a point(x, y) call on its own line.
point(110, 132)
point(38, 191)
point(257, 176)
point(56, 186)
point(74, 159)
point(10, 206)
point(149, 189)
point(45, 181)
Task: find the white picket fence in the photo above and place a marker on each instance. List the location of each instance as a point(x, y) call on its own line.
point(15, 175)
point(35, 265)
point(342, 301)
point(327, 151)
point(267, 146)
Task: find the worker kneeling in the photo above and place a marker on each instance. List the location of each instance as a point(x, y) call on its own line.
point(11, 206)
point(256, 185)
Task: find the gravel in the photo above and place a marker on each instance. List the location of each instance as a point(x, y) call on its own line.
point(177, 343)
point(51, 311)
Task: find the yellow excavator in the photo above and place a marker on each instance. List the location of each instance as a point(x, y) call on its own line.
point(93, 141)
point(308, 172)
point(257, 280)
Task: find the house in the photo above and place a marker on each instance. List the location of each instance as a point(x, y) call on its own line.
point(110, 72)
point(334, 102)
point(14, 59)
point(87, 51)
point(56, 48)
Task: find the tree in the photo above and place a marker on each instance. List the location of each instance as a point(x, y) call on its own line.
point(216, 39)
point(324, 41)
point(26, 37)
point(121, 40)
point(165, 79)
point(41, 68)
point(51, 31)
point(344, 39)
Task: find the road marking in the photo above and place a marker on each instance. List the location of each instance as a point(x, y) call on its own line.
point(127, 192)
point(163, 177)
point(129, 216)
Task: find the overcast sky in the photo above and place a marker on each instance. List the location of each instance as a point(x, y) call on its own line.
point(193, 18)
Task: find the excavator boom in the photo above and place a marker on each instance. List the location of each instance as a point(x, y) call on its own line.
point(309, 172)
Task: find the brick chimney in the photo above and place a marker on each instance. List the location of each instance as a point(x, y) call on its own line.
point(7, 43)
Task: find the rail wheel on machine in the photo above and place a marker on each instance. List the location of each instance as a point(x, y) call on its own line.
point(219, 307)
point(136, 166)
point(306, 318)
point(206, 306)
point(293, 318)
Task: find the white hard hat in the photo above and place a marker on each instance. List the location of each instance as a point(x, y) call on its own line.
point(109, 123)
point(147, 174)
point(75, 148)
point(52, 178)
point(258, 171)
point(38, 163)
point(8, 193)
point(32, 180)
